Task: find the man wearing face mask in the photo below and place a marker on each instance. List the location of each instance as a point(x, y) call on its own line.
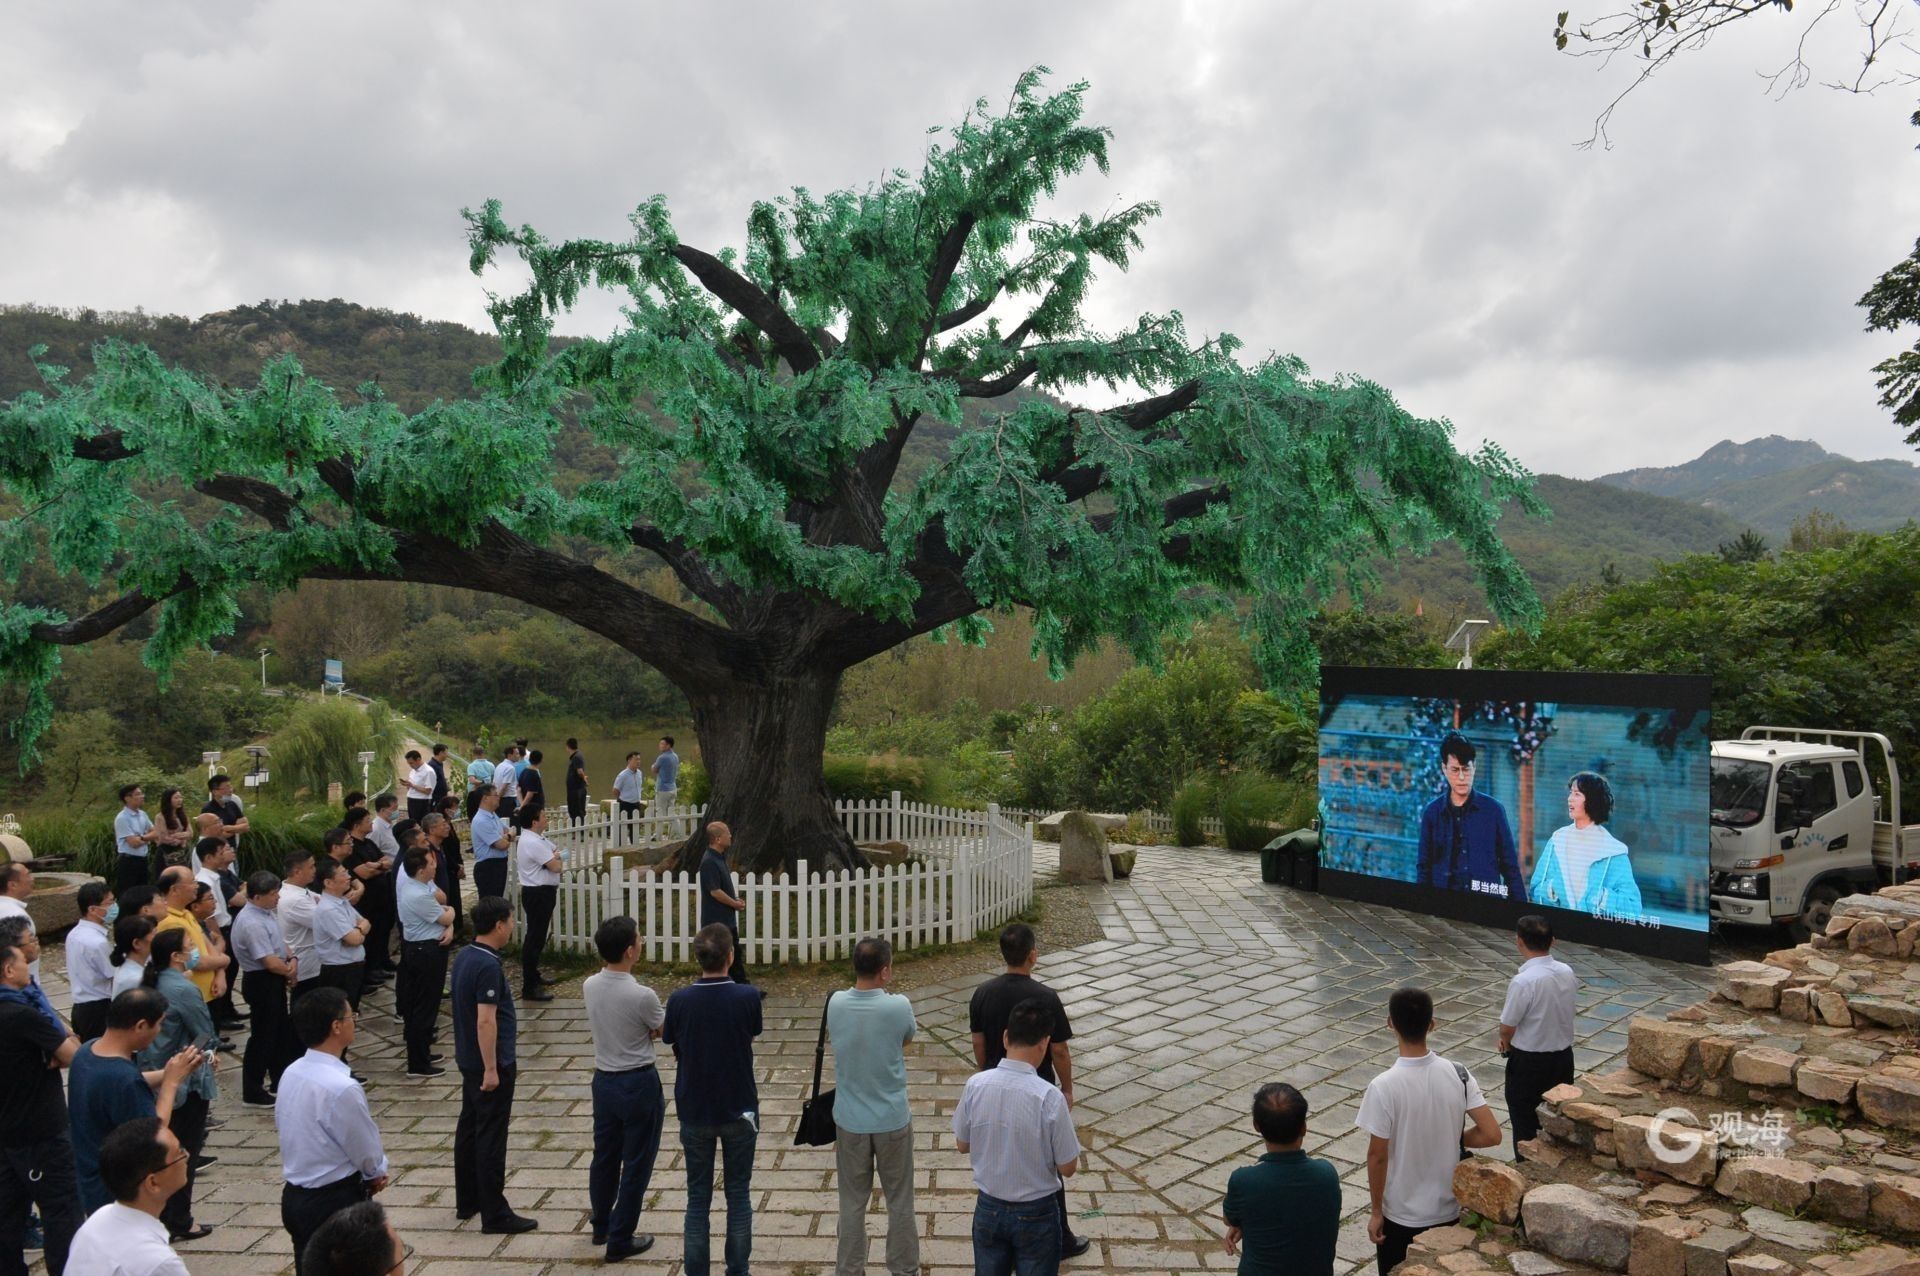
point(89, 944)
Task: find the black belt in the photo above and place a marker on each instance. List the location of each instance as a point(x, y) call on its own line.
point(1537, 1054)
point(334, 1186)
point(622, 1072)
point(411, 942)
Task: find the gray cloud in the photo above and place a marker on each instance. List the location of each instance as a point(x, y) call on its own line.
point(1397, 198)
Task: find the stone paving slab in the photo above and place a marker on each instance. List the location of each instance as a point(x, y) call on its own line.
point(1207, 984)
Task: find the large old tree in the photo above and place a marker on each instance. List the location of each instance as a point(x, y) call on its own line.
point(758, 402)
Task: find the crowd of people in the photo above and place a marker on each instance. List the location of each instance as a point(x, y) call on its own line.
point(104, 1114)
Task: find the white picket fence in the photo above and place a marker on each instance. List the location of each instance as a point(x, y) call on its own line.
point(973, 872)
point(1158, 823)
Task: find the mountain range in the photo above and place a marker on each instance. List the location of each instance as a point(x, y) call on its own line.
point(1626, 522)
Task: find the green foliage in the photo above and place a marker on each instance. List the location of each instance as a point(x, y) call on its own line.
point(1891, 304)
point(1130, 747)
point(745, 425)
point(88, 751)
point(322, 740)
point(1357, 636)
point(1280, 737)
point(1251, 806)
point(1820, 638)
point(1192, 802)
point(1816, 530)
point(856, 779)
point(274, 830)
point(1748, 547)
point(696, 786)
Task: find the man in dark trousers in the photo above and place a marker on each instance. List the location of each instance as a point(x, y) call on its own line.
point(711, 1025)
point(331, 1157)
point(987, 1014)
point(267, 975)
point(576, 781)
point(36, 1154)
point(1536, 1026)
point(719, 906)
point(438, 761)
point(484, 1035)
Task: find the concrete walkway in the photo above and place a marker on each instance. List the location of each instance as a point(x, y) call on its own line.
point(1208, 984)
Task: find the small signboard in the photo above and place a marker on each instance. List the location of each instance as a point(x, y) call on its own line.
point(335, 677)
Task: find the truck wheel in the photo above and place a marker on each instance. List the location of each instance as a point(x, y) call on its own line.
point(1813, 917)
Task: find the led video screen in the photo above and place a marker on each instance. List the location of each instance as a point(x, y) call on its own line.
point(1483, 795)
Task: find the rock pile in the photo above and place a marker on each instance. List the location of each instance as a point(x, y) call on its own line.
point(1767, 1131)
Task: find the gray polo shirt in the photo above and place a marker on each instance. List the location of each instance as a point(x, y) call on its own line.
point(256, 935)
point(333, 917)
point(623, 1012)
point(418, 909)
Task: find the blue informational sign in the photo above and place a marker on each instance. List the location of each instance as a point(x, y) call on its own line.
point(335, 676)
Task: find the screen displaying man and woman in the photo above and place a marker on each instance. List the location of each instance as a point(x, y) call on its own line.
point(1484, 794)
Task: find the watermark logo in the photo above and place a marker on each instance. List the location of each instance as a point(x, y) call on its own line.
point(1675, 1135)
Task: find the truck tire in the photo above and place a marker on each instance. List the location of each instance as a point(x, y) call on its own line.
point(1815, 912)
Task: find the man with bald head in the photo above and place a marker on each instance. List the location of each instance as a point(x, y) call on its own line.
point(718, 904)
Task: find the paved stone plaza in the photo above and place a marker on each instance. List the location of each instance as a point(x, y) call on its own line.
point(1207, 984)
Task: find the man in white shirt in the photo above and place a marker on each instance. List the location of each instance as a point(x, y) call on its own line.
point(539, 864)
point(295, 911)
point(420, 785)
point(1018, 1134)
point(330, 1151)
point(1536, 1027)
point(1416, 1111)
point(89, 971)
point(212, 859)
point(506, 781)
point(16, 884)
point(142, 1165)
point(630, 787)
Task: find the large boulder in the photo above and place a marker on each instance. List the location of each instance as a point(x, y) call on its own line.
point(1775, 1182)
point(1665, 1048)
point(1660, 1245)
point(1123, 859)
point(1827, 1081)
point(1842, 1194)
point(1491, 1189)
point(1083, 849)
point(1753, 984)
point(1049, 829)
point(1890, 1098)
point(1572, 1223)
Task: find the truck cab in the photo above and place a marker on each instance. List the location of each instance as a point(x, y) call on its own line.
point(1797, 823)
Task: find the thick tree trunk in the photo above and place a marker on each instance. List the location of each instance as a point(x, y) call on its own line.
point(761, 744)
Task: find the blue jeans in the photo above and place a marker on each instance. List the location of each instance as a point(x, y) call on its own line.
point(736, 1139)
point(1016, 1238)
point(628, 1111)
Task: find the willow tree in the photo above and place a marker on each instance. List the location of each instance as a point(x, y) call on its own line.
point(758, 401)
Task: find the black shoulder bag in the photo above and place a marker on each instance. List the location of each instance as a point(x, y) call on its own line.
point(816, 1128)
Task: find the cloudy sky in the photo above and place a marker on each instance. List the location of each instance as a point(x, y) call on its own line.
point(1385, 190)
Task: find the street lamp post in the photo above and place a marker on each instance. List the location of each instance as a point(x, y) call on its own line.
point(264, 653)
point(366, 762)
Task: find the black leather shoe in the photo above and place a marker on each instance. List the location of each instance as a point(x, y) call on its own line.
point(536, 994)
point(1074, 1247)
point(599, 1236)
point(638, 1245)
point(511, 1225)
point(201, 1232)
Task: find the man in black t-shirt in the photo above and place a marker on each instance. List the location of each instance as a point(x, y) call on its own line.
point(439, 764)
point(221, 802)
point(718, 903)
point(36, 1154)
point(987, 1014)
point(576, 781)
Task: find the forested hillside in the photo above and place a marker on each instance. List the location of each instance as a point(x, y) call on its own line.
point(1771, 483)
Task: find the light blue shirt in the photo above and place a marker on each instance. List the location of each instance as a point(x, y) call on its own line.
point(129, 824)
point(869, 1028)
point(1017, 1129)
point(487, 828)
point(333, 918)
point(666, 771)
point(1539, 1005)
point(419, 910)
point(326, 1131)
point(257, 936)
point(629, 785)
point(480, 769)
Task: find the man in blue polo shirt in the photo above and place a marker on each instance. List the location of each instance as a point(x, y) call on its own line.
point(492, 844)
point(1283, 1211)
point(711, 1026)
point(132, 836)
point(1466, 843)
point(484, 1035)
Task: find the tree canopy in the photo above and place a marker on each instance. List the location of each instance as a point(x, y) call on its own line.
point(757, 402)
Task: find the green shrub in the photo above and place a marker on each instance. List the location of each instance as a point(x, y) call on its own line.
point(1250, 804)
point(1280, 737)
point(87, 840)
point(876, 776)
point(321, 742)
point(695, 783)
point(1191, 802)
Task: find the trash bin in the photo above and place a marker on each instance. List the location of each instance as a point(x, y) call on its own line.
point(1292, 859)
